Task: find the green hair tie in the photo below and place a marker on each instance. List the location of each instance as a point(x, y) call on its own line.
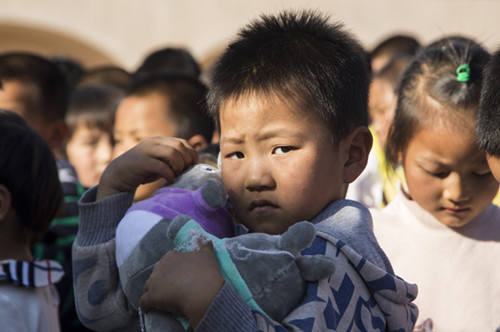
point(463, 73)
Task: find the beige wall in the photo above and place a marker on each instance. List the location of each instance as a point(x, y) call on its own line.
point(124, 31)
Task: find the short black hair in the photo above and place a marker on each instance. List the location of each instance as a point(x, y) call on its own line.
point(433, 76)
point(449, 40)
point(95, 105)
point(300, 56)
point(71, 68)
point(186, 103)
point(52, 97)
point(166, 61)
point(396, 45)
point(111, 75)
point(488, 124)
point(28, 170)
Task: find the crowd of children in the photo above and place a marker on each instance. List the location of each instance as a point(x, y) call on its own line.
point(442, 219)
point(392, 154)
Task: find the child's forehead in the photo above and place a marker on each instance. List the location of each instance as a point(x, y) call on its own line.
point(264, 118)
point(439, 117)
point(262, 99)
point(267, 109)
point(89, 123)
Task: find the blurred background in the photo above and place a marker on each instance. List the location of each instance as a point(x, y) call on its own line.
point(122, 32)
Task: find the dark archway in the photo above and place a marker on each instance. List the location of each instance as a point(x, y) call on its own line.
point(17, 37)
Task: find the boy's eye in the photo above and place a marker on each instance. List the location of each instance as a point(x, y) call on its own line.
point(482, 173)
point(236, 155)
point(440, 175)
point(91, 142)
point(282, 149)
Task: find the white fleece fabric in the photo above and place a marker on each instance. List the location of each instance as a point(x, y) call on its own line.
point(457, 271)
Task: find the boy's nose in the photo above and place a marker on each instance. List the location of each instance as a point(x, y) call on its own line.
point(456, 189)
point(259, 177)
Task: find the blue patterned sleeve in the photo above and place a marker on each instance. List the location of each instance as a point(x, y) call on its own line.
point(342, 302)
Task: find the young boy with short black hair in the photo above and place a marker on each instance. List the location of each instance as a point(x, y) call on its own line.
point(488, 124)
point(290, 95)
point(162, 105)
point(30, 198)
point(35, 88)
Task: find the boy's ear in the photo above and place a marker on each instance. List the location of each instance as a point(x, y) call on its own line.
point(198, 142)
point(5, 201)
point(358, 146)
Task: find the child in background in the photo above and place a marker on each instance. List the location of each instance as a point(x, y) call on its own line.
point(488, 124)
point(441, 230)
point(290, 94)
point(90, 118)
point(375, 187)
point(30, 197)
point(33, 87)
point(464, 39)
point(170, 106)
point(383, 96)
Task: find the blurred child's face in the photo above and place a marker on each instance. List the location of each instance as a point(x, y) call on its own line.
point(14, 96)
point(140, 117)
point(381, 107)
point(278, 166)
point(137, 118)
point(494, 163)
point(447, 174)
point(89, 150)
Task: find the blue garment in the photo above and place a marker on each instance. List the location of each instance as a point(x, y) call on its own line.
point(362, 294)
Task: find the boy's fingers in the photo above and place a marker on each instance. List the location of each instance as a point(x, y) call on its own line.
point(191, 156)
point(143, 302)
point(186, 156)
point(169, 157)
point(176, 153)
point(165, 170)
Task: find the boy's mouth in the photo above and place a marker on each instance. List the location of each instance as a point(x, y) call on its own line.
point(456, 211)
point(261, 204)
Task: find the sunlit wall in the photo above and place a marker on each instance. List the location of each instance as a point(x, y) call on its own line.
point(124, 31)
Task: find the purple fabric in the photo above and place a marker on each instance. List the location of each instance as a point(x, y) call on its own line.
point(170, 202)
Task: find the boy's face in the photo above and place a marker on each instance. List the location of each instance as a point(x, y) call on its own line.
point(140, 117)
point(447, 174)
point(381, 107)
point(15, 96)
point(137, 118)
point(494, 163)
point(89, 150)
point(279, 166)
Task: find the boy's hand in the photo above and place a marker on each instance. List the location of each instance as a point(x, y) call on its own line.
point(149, 160)
point(184, 283)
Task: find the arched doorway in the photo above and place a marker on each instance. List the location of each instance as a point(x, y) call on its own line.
point(16, 37)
